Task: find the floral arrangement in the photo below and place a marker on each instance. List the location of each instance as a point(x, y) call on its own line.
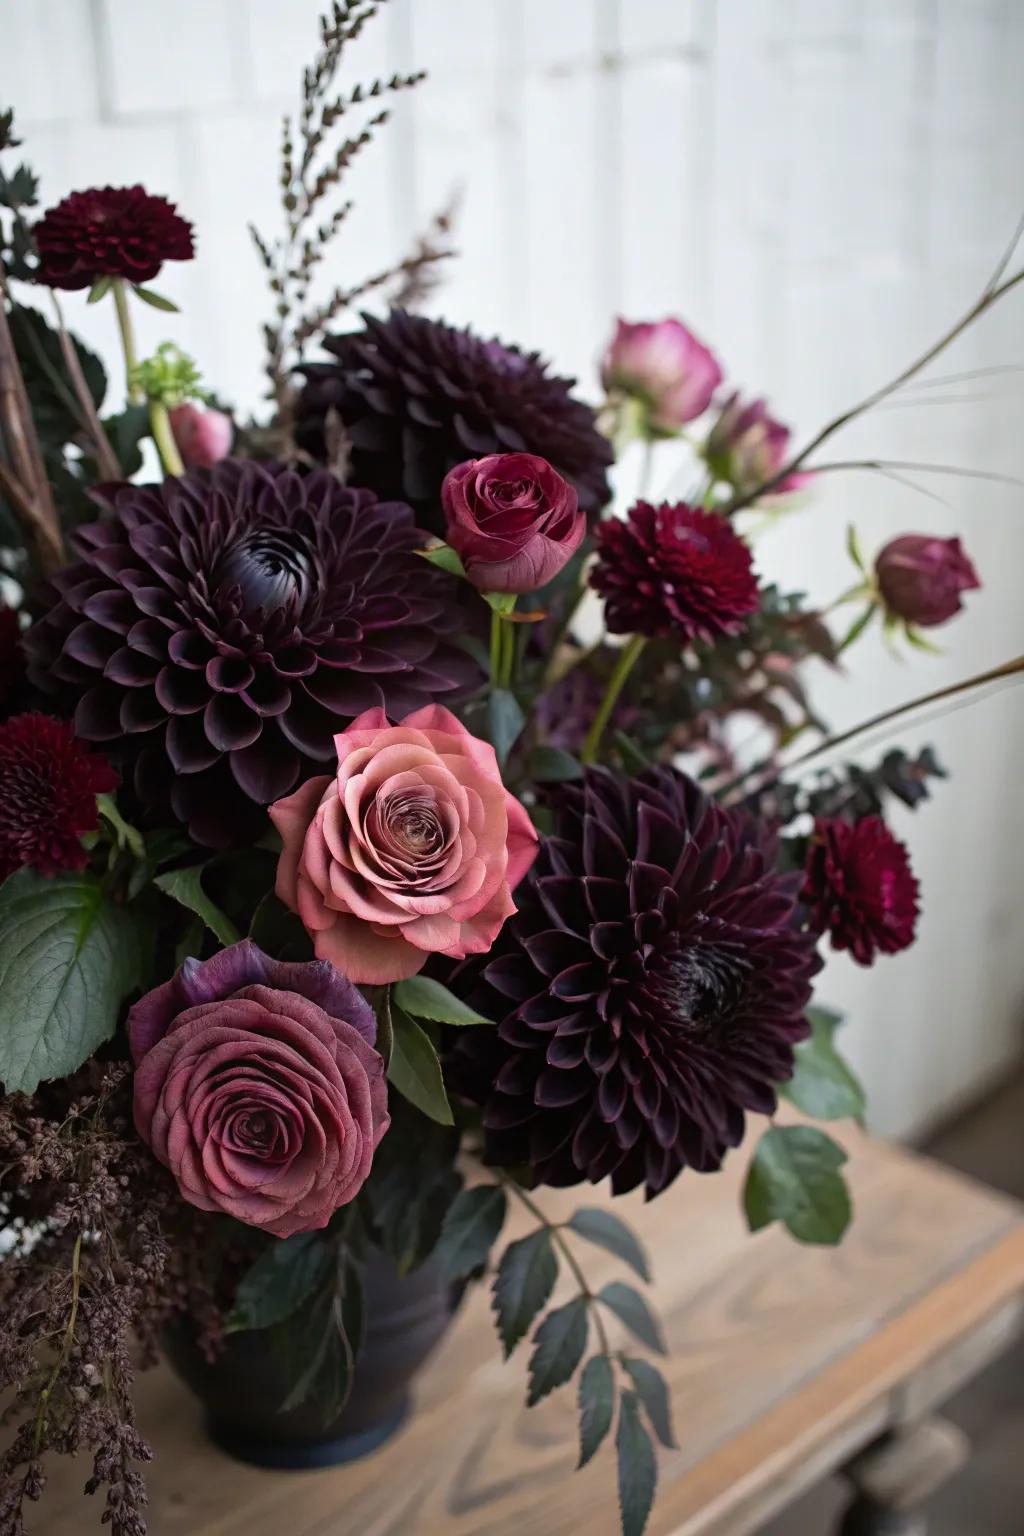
point(375, 845)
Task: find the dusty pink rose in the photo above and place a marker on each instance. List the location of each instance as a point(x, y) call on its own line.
point(203, 437)
point(662, 365)
point(257, 1084)
point(921, 578)
point(413, 848)
point(512, 520)
point(747, 447)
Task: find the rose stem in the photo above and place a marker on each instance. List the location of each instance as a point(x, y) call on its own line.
point(628, 658)
point(124, 323)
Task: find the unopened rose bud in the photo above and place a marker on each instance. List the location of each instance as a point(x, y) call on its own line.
point(747, 447)
point(921, 578)
point(203, 437)
point(665, 369)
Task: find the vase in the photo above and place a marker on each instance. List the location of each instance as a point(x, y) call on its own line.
point(243, 1388)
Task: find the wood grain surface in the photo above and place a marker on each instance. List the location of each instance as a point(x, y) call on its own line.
point(784, 1361)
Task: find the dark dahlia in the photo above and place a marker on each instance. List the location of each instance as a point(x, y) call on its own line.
point(673, 570)
point(648, 993)
point(417, 397)
point(221, 628)
point(48, 786)
point(110, 232)
point(860, 888)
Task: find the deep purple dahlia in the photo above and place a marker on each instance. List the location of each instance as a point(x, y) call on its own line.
point(417, 397)
point(647, 994)
point(221, 628)
point(110, 232)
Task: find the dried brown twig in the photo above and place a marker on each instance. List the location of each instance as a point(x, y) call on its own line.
point(23, 476)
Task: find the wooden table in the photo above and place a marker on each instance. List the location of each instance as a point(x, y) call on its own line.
point(786, 1362)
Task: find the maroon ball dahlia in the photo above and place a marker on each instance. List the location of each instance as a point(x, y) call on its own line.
point(417, 397)
point(673, 570)
point(49, 781)
point(648, 992)
point(222, 627)
point(109, 232)
point(860, 888)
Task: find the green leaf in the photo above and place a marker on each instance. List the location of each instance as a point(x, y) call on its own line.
point(278, 931)
point(412, 1183)
point(470, 1230)
point(550, 765)
point(280, 1280)
point(611, 1232)
point(525, 1279)
point(126, 431)
point(794, 1178)
point(415, 1070)
point(425, 998)
point(653, 1392)
point(638, 1468)
point(319, 1356)
point(156, 300)
point(185, 886)
point(596, 1405)
point(558, 1348)
point(385, 1041)
point(126, 835)
point(68, 956)
point(631, 1308)
point(99, 290)
point(822, 1084)
point(854, 550)
point(633, 760)
point(505, 721)
point(444, 556)
point(920, 642)
point(858, 627)
point(500, 602)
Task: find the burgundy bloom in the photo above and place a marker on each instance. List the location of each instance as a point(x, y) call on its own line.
point(747, 447)
point(647, 994)
point(109, 232)
point(665, 368)
point(12, 656)
point(417, 397)
point(860, 888)
point(512, 520)
point(203, 436)
point(673, 570)
point(223, 627)
point(258, 1085)
point(48, 786)
point(921, 578)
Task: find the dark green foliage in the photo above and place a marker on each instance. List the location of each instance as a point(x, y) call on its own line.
point(611, 1232)
point(470, 1230)
point(632, 1310)
point(525, 1279)
point(822, 1084)
point(411, 1185)
point(286, 1273)
point(596, 1405)
point(795, 1178)
point(652, 1390)
point(638, 1468)
point(559, 1344)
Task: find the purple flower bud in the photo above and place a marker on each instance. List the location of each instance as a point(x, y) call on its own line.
point(746, 447)
point(203, 437)
point(921, 578)
point(664, 367)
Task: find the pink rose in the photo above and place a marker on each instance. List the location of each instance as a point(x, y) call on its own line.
point(412, 849)
point(747, 446)
point(257, 1084)
point(664, 367)
point(921, 578)
point(203, 437)
point(512, 520)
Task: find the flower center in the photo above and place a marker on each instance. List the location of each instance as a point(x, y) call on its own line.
point(702, 987)
point(270, 569)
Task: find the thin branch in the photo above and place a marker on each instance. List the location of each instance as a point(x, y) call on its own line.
point(960, 470)
point(25, 477)
point(106, 458)
point(570, 1258)
point(1007, 256)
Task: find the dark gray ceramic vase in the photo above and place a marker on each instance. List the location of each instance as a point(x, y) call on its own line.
point(243, 1389)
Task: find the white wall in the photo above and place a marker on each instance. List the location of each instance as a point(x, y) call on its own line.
point(817, 185)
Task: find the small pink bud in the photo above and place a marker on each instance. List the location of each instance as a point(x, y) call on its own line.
point(663, 366)
point(203, 437)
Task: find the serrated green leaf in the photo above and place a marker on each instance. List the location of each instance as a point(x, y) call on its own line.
point(156, 300)
point(795, 1178)
point(425, 998)
point(525, 1279)
point(505, 721)
point(68, 956)
point(652, 1389)
point(551, 765)
point(470, 1229)
point(822, 1084)
point(611, 1233)
point(596, 1404)
point(284, 1276)
point(185, 886)
point(443, 556)
point(558, 1348)
point(638, 1467)
point(632, 1310)
point(415, 1070)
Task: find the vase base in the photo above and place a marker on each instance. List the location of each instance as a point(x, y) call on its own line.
point(284, 1457)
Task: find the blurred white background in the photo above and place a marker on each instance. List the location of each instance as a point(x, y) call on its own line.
point(817, 186)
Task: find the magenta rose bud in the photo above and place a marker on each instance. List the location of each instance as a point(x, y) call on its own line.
point(258, 1085)
point(203, 437)
point(413, 848)
point(747, 448)
point(921, 578)
point(665, 368)
point(512, 520)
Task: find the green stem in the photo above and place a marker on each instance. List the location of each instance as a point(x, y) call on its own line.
point(160, 425)
point(124, 322)
point(570, 1258)
point(497, 642)
point(628, 658)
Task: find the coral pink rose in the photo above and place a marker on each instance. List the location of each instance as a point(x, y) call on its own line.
point(413, 849)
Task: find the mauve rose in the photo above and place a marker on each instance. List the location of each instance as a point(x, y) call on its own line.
point(412, 849)
point(747, 446)
point(203, 437)
point(921, 578)
point(663, 366)
point(512, 520)
point(257, 1084)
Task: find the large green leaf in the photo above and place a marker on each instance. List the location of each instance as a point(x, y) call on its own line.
point(795, 1178)
point(632, 1310)
point(525, 1279)
point(185, 886)
point(425, 998)
point(415, 1070)
point(284, 1276)
point(608, 1231)
point(471, 1229)
point(822, 1084)
point(68, 956)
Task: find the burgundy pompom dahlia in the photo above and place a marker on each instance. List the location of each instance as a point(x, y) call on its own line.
point(647, 994)
point(860, 888)
point(417, 397)
point(110, 232)
point(222, 627)
point(673, 570)
point(48, 786)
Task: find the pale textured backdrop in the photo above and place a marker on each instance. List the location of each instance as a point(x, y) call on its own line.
point(817, 185)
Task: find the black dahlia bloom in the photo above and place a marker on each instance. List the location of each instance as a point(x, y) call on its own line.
point(417, 397)
point(647, 994)
point(221, 628)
